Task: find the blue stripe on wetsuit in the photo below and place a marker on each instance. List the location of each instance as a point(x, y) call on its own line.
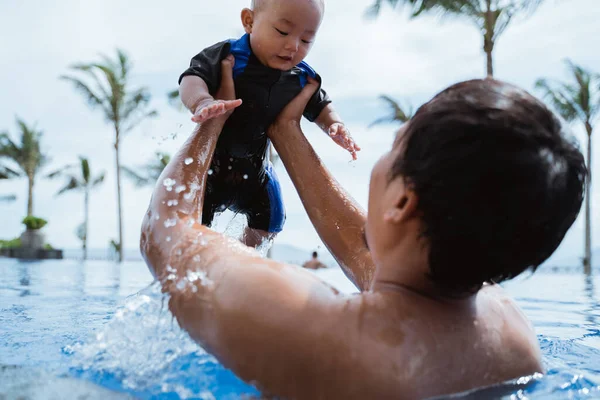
point(240, 48)
point(308, 71)
point(275, 201)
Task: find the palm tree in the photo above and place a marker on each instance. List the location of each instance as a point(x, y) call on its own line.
point(397, 113)
point(492, 17)
point(27, 156)
point(105, 86)
point(578, 100)
point(6, 173)
point(79, 178)
point(151, 171)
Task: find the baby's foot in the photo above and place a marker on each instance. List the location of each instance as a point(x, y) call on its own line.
point(212, 108)
point(340, 134)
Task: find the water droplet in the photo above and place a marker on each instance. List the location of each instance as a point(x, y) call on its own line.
point(169, 182)
point(245, 176)
point(196, 258)
point(188, 161)
point(230, 168)
point(230, 159)
point(157, 217)
point(210, 171)
point(168, 239)
point(172, 203)
point(188, 196)
point(180, 188)
point(170, 222)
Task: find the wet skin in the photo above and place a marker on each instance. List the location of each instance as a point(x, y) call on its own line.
point(283, 329)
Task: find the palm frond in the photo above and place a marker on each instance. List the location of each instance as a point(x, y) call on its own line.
point(396, 114)
point(72, 184)
point(8, 173)
point(8, 198)
point(174, 99)
point(132, 124)
point(61, 171)
point(92, 98)
point(578, 99)
point(85, 169)
point(8, 148)
point(90, 71)
point(557, 100)
point(99, 179)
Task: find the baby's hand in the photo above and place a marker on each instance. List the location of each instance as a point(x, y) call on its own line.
point(340, 134)
point(211, 108)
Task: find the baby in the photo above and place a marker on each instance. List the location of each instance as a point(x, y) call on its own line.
point(268, 73)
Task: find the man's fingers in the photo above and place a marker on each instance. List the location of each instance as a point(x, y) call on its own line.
point(226, 89)
point(304, 96)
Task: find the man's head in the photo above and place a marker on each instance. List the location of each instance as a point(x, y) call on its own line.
point(314, 254)
point(282, 32)
point(487, 176)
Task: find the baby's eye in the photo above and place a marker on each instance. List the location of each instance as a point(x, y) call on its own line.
point(282, 33)
point(306, 41)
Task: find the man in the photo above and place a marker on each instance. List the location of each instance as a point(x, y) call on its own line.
point(314, 262)
point(479, 186)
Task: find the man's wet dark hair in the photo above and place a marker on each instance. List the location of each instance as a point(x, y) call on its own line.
point(314, 254)
point(498, 182)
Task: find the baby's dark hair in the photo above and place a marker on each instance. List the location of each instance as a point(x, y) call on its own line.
point(497, 181)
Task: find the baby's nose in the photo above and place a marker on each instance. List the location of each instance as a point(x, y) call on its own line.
point(292, 44)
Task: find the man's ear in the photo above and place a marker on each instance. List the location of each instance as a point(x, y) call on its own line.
point(247, 20)
point(403, 203)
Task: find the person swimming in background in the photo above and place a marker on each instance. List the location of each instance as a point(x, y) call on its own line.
point(269, 71)
point(314, 262)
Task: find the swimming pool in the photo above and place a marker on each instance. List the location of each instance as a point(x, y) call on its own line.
point(69, 328)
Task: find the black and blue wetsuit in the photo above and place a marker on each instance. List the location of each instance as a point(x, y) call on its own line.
point(243, 179)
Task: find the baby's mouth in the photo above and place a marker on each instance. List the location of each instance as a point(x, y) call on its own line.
point(285, 58)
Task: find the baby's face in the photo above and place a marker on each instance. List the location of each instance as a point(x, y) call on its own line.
point(283, 31)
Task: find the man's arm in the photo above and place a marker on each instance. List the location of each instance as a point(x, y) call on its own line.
point(270, 323)
point(336, 216)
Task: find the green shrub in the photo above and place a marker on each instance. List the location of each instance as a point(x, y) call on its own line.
point(34, 223)
point(48, 246)
point(10, 244)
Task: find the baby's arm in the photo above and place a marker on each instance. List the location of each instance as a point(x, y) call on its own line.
point(196, 97)
point(331, 123)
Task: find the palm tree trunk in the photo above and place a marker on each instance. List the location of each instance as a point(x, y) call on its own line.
point(120, 211)
point(85, 222)
point(490, 64)
point(488, 38)
point(587, 260)
point(30, 196)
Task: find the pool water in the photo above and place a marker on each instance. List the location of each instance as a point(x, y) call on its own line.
point(70, 328)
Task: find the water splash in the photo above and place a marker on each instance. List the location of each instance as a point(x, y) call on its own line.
point(188, 161)
point(143, 351)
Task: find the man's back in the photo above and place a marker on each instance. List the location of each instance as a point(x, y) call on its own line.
point(400, 344)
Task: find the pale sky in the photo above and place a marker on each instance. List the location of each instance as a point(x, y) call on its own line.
point(358, 60)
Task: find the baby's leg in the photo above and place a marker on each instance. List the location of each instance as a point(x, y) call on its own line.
point(265, 211)
point(256, 237)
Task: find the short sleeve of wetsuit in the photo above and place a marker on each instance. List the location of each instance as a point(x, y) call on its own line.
point(317, 103)
point(207, 65)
